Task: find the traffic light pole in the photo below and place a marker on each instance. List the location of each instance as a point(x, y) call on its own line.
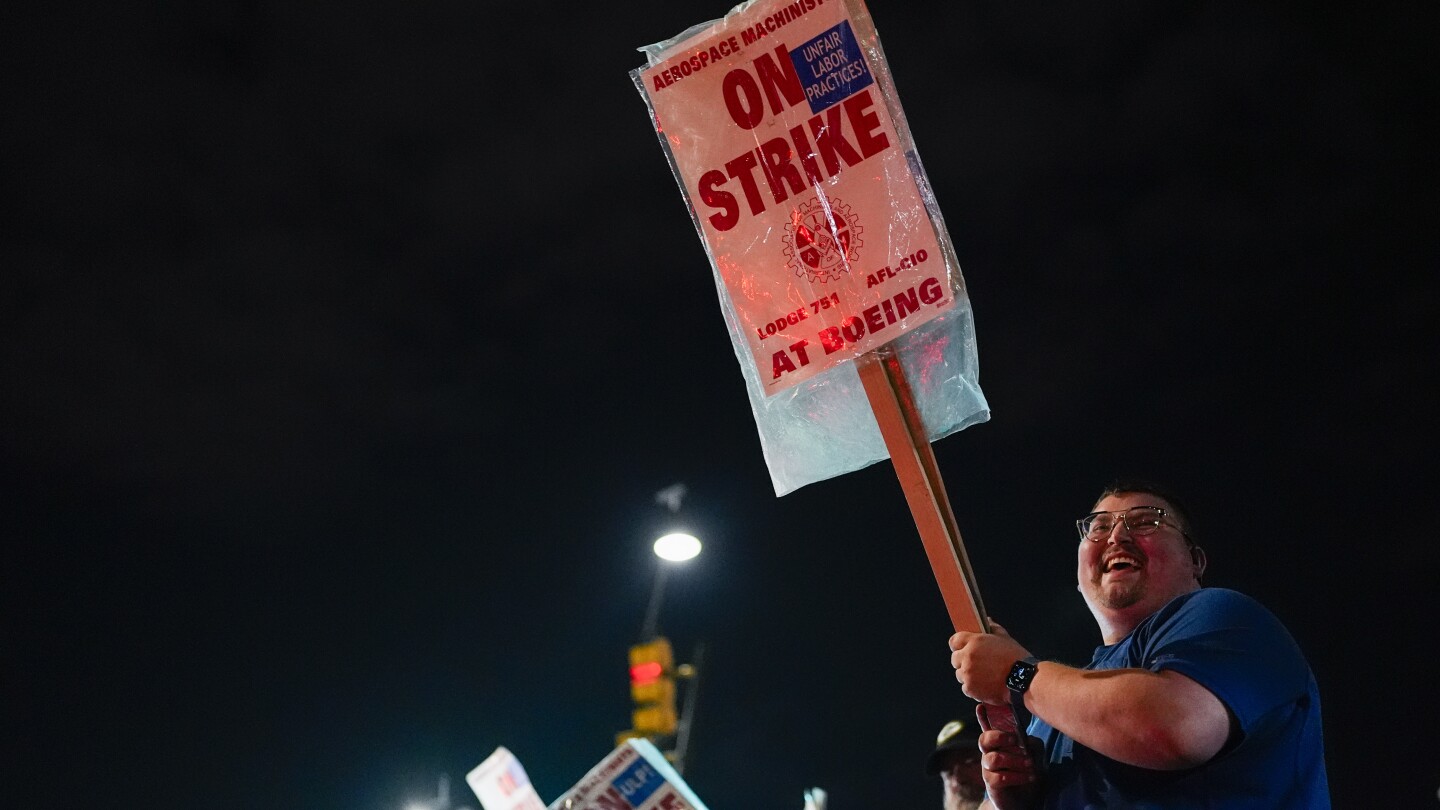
point(687, 709)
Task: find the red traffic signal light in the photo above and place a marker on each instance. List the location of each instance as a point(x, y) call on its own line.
point(647, 672)
point(652, 688)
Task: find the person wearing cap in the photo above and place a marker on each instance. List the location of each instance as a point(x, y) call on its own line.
point(956, 760)
point(1198, 696)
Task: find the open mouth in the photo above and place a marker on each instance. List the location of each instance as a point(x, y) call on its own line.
point(1121, 563)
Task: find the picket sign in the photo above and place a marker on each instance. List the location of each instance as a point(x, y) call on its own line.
point(784, 131)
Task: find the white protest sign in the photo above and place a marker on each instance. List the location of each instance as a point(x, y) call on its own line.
point(635, 776)
point(501, 784)
point(783, 131)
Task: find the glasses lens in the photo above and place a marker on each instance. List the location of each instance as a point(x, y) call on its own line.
point(1143, 519)
point(1099, 524)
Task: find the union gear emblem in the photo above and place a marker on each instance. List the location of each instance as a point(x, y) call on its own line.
point(822, 239)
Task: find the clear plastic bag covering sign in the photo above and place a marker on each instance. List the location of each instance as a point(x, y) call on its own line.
point(785, 133)
point(635, 776)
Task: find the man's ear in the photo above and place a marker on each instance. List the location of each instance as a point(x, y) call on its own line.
point(1198, 558)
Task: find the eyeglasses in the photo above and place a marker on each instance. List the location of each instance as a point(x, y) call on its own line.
point(1138, 520)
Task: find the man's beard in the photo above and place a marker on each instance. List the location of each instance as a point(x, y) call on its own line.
point(1118, 597)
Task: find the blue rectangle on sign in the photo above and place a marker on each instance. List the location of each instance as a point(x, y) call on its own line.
point(831, 67)
point(637, 782)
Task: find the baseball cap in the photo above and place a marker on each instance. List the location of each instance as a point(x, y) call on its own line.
point(953, 736)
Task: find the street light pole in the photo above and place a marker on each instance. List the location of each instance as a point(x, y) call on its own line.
point(687, 709)
point(652, 613)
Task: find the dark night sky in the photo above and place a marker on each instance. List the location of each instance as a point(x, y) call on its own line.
point(344, 347)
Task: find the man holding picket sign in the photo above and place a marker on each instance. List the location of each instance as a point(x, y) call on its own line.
point(844, 302)
point(840, 286)
point(1199, 697)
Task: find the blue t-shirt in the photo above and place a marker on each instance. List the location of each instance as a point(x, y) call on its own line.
point(1231, 645)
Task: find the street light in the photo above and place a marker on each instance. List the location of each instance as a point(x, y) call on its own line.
point(677, 547)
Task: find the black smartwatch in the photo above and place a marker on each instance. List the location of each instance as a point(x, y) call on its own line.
point(1021, 674)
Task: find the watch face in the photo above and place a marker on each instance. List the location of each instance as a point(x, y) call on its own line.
point(1020, 675)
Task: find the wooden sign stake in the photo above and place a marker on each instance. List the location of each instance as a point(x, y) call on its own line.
point(914, 460)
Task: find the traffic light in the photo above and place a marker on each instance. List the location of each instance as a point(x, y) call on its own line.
point(652, 688)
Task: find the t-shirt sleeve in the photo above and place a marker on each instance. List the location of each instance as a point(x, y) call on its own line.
point(1231, 645)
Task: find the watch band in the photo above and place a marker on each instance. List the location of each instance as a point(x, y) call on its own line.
point(1022, 672)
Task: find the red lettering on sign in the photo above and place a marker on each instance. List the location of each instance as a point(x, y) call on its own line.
point(866, 124)
point(779, 170)
point(780, 363)
point(881, 315)
point(799, 349)
point(776, 157)
point(807, 156)
point(931, 290)
point(749, 111)
point(743, 169)
point(779, 80)
point(729, 212)
point(906, 303)
point(873, 319)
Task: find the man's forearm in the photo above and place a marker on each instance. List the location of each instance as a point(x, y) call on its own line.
point(1156, 720)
